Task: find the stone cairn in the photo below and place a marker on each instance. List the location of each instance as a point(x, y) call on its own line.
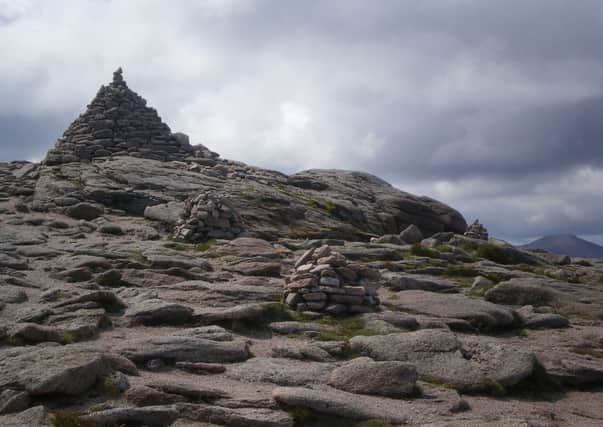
point(477, 231)
point(208, 215)
point(118, 123)
point(324, 281)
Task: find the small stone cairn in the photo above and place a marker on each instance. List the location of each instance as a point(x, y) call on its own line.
point(477, 231)
point(324, 281)
point(118, 122)
point(208, 215)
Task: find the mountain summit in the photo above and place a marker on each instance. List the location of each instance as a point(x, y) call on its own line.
point(567, 244)
point(119, 153)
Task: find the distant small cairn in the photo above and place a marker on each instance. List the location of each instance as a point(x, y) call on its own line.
point(477, 231)
point(324, 281)
point(208, 215)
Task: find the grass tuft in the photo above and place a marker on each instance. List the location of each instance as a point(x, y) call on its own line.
point(460, 271)
point(497, 254)
point(177, 246)
point(68, 337)
point(203, 246)
point(66, 419)
point(585, 350)
point(418, 250)
point(492, 387)
point(344, 328)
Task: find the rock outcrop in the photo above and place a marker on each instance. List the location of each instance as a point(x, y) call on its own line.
point(120, 155)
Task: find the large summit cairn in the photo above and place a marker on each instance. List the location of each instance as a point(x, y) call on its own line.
point(324, 281)
point(118, 122)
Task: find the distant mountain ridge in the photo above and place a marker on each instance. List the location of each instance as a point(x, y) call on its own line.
point(567, 244)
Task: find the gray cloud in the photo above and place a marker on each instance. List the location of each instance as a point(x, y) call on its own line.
point(493, 107)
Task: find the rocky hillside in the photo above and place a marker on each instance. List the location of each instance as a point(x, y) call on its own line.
point(147, 291)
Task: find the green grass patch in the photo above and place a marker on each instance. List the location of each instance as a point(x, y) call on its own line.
point(467, 246)
point(330, 207)
point(497, 254)
point(344, 328)
point(68, 337)
point(417, 250)
point(271, 312)
point(203, 246)
point(460, 271)
point(108, 386)
point(464, 282)
point(492, 387)
point(177, 246)
point(66, 419)
point(585, 350)
point(530, 269)
point(137, 256)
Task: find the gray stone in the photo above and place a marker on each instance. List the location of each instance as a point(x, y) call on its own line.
point(52, 370)
point(183, 349)
point(243, 417)
point(338, 403)
point(165, 212)
point(109, 278)
point(521, 292)
point(394, 239)
point(151, 416)
point(405, 282)
point(85, 211)
point(480, 285)
point(241, 312)
point(12, 295)
point(302, 352)
point(147, 396)
point(112, 229)
point(365, 376)
point(34, 417)
point(13, 261)
point(294, 327)
point(13, 401)
point(481, 314)
point(469, 365)
point(281, 371)
point(411, 234)
point(158, 312)
point(201, 368)
point(533, 320)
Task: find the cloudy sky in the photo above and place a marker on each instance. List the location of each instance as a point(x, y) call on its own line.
point(495, 107)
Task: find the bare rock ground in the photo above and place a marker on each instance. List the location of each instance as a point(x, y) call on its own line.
point(135, 328)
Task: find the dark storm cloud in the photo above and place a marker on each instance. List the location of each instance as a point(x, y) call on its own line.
point(491, 106)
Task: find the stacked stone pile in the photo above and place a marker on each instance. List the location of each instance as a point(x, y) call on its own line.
point(477, 231)
point(118, 122)
point(208, 215)
point(325, 281)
